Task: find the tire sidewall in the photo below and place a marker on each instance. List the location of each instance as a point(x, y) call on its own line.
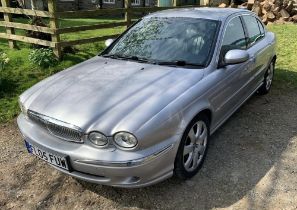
point(263, 89)
point(266, 75)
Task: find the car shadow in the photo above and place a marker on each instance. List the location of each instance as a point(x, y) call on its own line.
point(241, 153)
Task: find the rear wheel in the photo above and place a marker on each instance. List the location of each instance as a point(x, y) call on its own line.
point(268, 77)
point(193, 148)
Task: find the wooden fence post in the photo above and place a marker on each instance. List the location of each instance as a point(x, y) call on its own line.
point(128, 12)
point(8, 18)
point(176, 3)
point(33, 4)
point(54, 24)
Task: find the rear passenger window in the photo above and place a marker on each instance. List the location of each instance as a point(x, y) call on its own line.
point(253, 29)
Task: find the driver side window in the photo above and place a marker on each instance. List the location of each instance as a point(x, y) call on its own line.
point(234, 37)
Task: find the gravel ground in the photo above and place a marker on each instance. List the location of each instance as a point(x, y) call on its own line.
point(251, 164)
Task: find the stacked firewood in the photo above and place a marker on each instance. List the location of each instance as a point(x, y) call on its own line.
point(271, 10)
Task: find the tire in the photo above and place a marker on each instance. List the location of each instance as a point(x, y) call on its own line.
point(192, 151)
point(268, 78)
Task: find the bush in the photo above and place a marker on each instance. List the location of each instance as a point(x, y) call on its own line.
point(3, 60)
point(43, 57)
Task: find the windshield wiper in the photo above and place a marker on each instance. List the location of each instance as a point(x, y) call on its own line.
point(115, 56)
point(179, 63)
point(134, 58)
point(142, 60)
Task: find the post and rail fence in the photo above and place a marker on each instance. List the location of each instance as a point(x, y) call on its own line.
point(55, 31)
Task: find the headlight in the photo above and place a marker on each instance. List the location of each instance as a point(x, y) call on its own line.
point(23, 108)
point(125, 140)
point(98, 139)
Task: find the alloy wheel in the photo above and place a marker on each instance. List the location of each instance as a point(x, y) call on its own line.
point(269, 76)
point(195, 146)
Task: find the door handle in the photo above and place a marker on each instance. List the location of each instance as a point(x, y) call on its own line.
point(253, 59)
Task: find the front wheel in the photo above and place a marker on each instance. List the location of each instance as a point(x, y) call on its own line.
point(268, 77)
point(192, 149)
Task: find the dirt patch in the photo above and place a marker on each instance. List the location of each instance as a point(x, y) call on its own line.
point(251, 164)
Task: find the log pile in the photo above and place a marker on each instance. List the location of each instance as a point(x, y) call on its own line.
point(279, 11)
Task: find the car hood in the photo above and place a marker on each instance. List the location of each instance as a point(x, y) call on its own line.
point(109, 95)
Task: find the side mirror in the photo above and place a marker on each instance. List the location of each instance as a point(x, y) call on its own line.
point(236, 56)
point(108, 42)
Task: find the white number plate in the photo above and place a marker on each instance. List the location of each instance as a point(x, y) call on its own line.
point(55, 160)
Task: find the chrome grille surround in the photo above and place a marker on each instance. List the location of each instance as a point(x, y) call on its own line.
point(57, 128)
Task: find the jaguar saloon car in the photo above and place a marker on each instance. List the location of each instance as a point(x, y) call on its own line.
point(145, 108)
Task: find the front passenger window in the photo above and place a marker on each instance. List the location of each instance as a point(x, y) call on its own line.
point(234, 37)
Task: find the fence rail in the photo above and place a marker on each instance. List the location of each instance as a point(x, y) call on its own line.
point(89, 27)
point(27, 27)
point(28, 40)
point(55, 31)
point(18, 11)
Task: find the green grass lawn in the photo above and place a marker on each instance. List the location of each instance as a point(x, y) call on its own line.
point(286, 67)
point(20, 74)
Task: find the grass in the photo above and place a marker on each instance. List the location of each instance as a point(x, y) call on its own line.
point(286, 67)
point(20, 74)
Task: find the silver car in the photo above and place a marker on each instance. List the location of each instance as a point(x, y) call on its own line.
point(144, 109)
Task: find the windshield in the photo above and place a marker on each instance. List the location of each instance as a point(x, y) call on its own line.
point(167, 40)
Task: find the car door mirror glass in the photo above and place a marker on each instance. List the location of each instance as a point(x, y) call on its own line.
point(236, 56)
point(108, 42)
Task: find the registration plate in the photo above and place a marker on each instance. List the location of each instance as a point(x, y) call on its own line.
point(53, 159)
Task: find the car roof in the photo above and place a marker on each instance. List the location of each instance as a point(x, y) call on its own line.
point(200, 12)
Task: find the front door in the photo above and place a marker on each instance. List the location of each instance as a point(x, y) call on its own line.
point(229, 91)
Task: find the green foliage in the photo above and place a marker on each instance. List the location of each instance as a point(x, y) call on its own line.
point(3, 60)
point(43, 57)
point(286, 64)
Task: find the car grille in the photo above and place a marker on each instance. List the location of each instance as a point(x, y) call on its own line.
point(57, 128)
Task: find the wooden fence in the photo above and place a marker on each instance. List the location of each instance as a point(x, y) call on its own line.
point(53, 28)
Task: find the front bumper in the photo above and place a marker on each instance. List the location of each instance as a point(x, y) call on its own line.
point(110, 166)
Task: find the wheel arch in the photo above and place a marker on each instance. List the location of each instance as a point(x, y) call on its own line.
point(208, 113)
point(274, 58)
point(178, 169)
point(206, 110)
